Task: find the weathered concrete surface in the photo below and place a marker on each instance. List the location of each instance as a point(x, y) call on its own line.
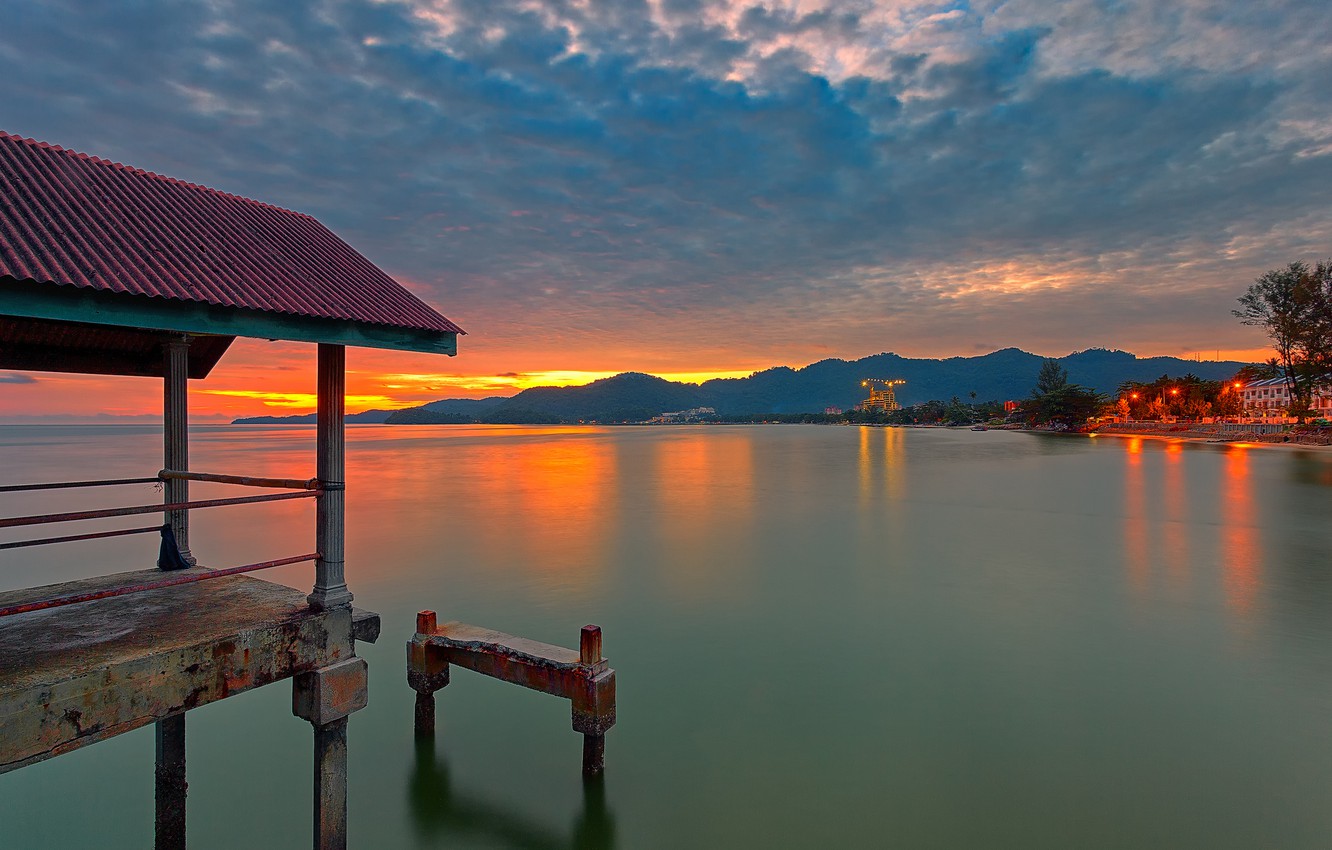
point(78, 674)
point(530, 663)
point(581, 676)
point(594, 704)
point(331, 693)
point(330, 786)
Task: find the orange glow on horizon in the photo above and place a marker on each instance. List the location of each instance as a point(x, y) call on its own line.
point(261, 377)
point(305, 401)
point(517, 381)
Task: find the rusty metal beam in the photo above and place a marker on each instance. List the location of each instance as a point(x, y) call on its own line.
point(125, 590)
point(96, 535)
point(17, 522)
point(246, 480)
point(67, 485)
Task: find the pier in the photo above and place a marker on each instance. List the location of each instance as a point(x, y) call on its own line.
point(110, 270)
point(581, 676)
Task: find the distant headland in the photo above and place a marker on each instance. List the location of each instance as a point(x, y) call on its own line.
point(783, 390)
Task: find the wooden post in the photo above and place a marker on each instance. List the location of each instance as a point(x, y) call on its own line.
point(330, 589)
point(169, 784)
point(175, 437)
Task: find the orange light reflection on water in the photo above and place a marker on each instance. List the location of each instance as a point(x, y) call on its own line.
point(1137, 547)
point(886, 474)
point(555, 500)
point(705, 505)
point(1175, 516)
point(1242, 552)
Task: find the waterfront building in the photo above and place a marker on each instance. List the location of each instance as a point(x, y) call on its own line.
point(1270, 398)
point(677, 417)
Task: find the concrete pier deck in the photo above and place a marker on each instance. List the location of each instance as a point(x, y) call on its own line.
point(581, 675)
point(78, 674)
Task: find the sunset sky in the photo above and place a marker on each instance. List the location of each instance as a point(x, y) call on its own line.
point(709, 188)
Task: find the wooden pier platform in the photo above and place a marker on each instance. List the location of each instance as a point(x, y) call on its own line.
point(77, 674)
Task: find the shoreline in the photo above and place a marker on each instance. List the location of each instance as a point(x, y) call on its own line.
point(1274, 441)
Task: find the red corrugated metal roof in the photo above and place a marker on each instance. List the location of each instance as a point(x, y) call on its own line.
point(71, 219)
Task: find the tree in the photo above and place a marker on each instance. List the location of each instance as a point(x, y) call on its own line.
point(1051, 377)
point(1294, 306)
point(1055, 400)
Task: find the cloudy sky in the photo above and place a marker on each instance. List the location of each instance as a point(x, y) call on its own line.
point(686, 188)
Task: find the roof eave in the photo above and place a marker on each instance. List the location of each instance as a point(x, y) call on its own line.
point(73, 304)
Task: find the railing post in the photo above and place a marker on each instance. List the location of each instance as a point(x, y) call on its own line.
point(330, 589)
point(175, 436)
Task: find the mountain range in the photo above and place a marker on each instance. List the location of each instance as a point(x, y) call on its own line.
point(1005, 374)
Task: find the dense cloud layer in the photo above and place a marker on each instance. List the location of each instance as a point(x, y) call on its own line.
point(915, 175)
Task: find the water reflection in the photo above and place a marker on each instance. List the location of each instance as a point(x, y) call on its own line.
point(1242, 554)
point(1175, 511)
point(704, 505)
point(559, 497)
point(1014, 608)
point(1137, 548)
point(881, 474)
point(442, 811)
point(1311, 468)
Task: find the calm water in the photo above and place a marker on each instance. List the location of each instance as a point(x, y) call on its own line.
point(825, 637)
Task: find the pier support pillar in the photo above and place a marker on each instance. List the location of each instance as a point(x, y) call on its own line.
point(176, 440)
point(593, 704)
point(326, 697)
point(169, 784)
point(330, 785)
point(427, 672)
point(330, 589)
point(594, 755)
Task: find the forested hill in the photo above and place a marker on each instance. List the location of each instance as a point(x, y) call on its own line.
point(1006, 374)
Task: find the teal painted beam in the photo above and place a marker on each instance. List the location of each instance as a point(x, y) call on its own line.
point(72, 304)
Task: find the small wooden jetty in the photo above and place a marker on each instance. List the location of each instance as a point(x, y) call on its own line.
point(109, 270)
point(581, 676)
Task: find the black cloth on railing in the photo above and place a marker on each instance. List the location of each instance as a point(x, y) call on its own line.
point(168, 556)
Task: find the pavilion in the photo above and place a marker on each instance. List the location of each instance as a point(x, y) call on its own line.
point(107, 269)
